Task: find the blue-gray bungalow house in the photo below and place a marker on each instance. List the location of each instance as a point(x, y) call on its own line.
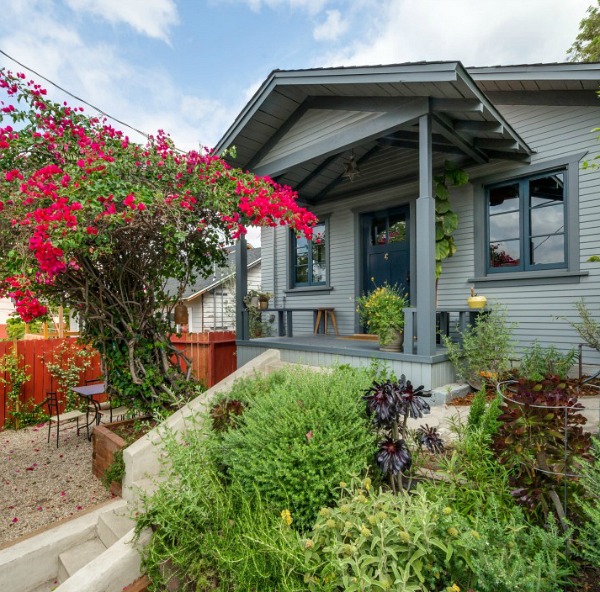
point(361, 146)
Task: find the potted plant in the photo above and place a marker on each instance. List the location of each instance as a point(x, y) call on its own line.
point(382, 312)
point(263, 300)
point(251, 300)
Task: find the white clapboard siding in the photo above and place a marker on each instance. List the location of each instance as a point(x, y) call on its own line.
point(214, 310)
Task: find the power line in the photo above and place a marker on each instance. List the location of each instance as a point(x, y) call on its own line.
point(119, 121)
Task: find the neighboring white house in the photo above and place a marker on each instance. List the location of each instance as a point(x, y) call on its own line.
point(6, 308)
point(211, 301)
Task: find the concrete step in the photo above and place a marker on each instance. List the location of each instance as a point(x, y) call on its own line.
point(114, 525)
point(48, 586)
point(75, 558)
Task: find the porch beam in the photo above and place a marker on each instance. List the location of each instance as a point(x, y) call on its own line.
point(456, 106)
point(501, 155)
point(414, 145)
point(445, 127)
point(496, 144)
point(317, 171)
point(425, 266)
point(346, 139)
point(242, 321)
point(489, 127)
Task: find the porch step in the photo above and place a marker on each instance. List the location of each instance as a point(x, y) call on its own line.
point(114, 525)
point(75, 558)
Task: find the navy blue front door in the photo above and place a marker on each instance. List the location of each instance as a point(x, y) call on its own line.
point(386, 249)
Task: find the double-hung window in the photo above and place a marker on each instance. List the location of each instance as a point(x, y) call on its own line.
point(309, 258)
point(527, 222)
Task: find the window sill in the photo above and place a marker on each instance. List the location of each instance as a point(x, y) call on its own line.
point(308, 290)
point(554, 276)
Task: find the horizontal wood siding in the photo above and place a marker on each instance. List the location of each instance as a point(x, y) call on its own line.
point(544, 311)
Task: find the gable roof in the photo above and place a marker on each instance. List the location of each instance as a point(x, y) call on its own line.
point(301, 124)
point(219, 275)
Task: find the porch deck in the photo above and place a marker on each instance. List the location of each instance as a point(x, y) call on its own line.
point(328, 350)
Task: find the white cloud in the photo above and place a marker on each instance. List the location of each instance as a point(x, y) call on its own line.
point(333, 27)
point(153, 18)
point(312, 7)
point(486, 32)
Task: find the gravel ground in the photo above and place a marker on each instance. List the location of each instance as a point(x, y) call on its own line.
point(40, 483)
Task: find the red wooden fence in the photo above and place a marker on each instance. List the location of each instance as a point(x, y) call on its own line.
point(213, 358)
point(213, 354)
point(35, 355)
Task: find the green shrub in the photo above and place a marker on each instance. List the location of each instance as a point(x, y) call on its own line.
point(299, 437)
point(380, 541)
point(477, 409)
point(541, 362)
point(486, 350)
point(209, 535)
point(588, 543)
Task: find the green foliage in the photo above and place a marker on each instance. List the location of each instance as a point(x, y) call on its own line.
point(208, 535)
point(15, 327)
point(446, 221)
point(541, 362)
point(588, 327)
point(13, 375)
point(66, 364)
point(477, 409)
point(486, 350)
point(375, 541)
point(115, 471)
point(586, 47)
point(588, 540)
point(540, 441)
point(382, 311)
point(298, 438)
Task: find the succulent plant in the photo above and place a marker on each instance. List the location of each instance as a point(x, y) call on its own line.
point(393, 456)
point(429, 437)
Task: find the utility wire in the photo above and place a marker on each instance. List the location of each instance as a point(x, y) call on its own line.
point(119, 121)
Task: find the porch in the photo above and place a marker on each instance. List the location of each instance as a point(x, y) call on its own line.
point(330, 350)
point(362, 147)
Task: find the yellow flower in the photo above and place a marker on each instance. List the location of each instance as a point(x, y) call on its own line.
point(345, 509)
point(452, 531)
point(309, 544)
point(474, 534)
point(367, 483)
point(404, 536)
point(365, 531)
point(447, 510)
point(381, 515)
point(324, 512)
point(286, 516)
point(453, 588)
point(330, 523)
point(343, 484)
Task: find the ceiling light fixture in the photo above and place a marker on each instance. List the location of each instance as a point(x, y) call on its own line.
point(351, 169)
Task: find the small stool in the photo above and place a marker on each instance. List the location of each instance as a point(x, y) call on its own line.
point(329, 314)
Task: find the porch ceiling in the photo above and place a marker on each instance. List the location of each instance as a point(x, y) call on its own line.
point(302, 126)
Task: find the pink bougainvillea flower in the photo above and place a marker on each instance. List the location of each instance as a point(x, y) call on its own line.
point(15, 520)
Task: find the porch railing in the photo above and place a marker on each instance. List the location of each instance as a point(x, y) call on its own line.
point(464, 316)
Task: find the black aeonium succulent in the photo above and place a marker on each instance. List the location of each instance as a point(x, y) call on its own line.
point(393, 456)
point(382, 402)
point(429, 437)
point(410, 400)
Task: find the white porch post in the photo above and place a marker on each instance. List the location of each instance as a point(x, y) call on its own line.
point(242, 321)
point(425, 244)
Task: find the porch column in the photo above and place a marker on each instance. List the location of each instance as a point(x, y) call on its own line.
point(425, 244)
point(242, 322)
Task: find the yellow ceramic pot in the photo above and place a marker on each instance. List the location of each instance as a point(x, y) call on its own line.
point(477, 301)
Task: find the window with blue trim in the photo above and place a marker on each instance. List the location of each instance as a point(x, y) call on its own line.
point(309, 258)
point(526, 223)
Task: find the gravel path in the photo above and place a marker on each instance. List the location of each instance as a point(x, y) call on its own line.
point(40, 483)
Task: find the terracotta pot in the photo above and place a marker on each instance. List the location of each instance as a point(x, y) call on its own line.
point(264, 304)
point(396, 344)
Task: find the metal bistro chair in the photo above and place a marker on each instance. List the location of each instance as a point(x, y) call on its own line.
point(106, 409)
point(57, 418)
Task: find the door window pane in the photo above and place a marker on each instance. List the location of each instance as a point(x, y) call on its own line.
point(397, 228)
point(379, 232)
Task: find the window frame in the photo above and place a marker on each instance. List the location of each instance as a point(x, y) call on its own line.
point(525, 235)
point(571, 163)
point(310, 285)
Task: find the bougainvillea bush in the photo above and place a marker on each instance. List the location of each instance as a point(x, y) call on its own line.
point(95, 222)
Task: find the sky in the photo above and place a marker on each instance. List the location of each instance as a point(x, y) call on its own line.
point(189, 66)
